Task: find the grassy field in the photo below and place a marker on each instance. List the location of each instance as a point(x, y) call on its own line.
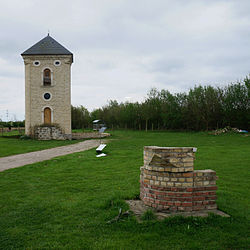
point(65, 203)
point(9, 145)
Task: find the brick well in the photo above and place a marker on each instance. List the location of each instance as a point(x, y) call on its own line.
point(169, 182)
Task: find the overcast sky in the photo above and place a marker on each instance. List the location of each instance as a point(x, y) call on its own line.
point(122, 48)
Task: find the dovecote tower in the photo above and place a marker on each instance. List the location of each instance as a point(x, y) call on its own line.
point(47, 85)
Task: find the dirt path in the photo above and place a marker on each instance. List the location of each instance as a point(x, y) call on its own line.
point(47, 154)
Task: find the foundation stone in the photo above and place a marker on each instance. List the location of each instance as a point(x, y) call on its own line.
point(50, 133)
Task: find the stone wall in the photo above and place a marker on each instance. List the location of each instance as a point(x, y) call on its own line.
point(88, 135)
point(169, 182)
point(50, 133)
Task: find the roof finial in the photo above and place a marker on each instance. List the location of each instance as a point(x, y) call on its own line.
point(48, 32)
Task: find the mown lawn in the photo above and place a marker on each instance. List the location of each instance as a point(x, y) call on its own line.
point(65, 203)
point(12, 146)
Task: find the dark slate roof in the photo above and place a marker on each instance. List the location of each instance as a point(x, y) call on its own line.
point(47, 46)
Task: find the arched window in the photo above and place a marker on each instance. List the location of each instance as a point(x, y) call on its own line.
point(47, 77)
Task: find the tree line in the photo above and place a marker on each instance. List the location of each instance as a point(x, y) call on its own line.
point(201, 108)
point(16, 124)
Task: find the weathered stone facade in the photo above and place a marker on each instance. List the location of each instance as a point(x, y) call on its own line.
point(169, 182)
point(50, 133)
point(60, 90)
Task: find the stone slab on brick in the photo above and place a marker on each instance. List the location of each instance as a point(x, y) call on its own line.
point(170, 159)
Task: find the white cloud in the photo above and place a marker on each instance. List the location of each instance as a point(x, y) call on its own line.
point(122, 48)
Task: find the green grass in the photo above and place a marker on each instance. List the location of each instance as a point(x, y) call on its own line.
point(65, 203)
point(12, 133)
point(11, 146)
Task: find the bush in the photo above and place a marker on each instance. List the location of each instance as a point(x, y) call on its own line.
point(25, 137)
point(148, 215)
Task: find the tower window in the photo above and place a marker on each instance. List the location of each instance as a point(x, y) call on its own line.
point(36, 63)
point(57, 63)
point(47, 96)
point(47, 77)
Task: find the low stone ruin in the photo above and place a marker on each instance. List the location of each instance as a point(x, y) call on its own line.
point(50, 133)
point(89, 135)
point(170, 183)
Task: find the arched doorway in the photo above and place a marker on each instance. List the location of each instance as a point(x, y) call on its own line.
point(47, 116)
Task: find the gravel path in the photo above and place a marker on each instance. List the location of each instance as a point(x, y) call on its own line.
point(47, 154)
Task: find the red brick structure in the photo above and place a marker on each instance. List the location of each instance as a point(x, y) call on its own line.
point(169, 182)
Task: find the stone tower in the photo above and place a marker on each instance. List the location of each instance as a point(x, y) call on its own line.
point(47, 85)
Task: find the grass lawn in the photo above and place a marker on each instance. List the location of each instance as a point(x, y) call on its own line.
point(12, 146)
point(65, 203)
